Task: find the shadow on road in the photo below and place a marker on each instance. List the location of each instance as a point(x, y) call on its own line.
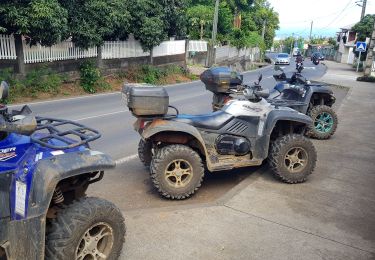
point(130, 188)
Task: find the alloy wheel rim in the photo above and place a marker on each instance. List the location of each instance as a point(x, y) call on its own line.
point(178, 173)
point(96, 243)
point(323, 123)
point(296, 159)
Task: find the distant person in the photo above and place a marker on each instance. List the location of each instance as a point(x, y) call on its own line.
point(299, 58)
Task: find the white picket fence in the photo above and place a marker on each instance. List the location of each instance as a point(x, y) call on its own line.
point(66, 50)
point(7, 47)
point(227, 52)
point(197, 46)
point(61, 51)
point(169, 48)
point(122, 49)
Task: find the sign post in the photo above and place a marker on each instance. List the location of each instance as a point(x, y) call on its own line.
point(360, 47)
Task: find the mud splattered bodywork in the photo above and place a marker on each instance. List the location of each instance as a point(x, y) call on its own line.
point(255, 123)
point(29, 176)
point(178, 148)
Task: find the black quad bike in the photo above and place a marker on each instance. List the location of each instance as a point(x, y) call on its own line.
point(46, 166)
point(178, 148)
point(314, 100)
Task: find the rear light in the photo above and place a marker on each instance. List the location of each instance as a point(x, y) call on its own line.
point(141, 124)
point(227, 99)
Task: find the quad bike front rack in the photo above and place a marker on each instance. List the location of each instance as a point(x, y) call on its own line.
point(70, 134)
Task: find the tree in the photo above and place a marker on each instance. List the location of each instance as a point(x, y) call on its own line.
point(240, 5)
point(200, 18)
point(41, 21)
point(225, 22)
point(262, 12)
point(91, 22)
point(241, 39)
point(317, 40)
point(175, 17)
point(148, 23)
point(288, 44)
point(364, 27)
point(332, 41)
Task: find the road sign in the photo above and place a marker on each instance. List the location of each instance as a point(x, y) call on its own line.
point(361, 46)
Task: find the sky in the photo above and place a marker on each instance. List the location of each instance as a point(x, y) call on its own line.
point(327, 16)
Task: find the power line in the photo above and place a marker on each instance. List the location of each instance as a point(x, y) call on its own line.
point(315, 18)
point(343, 10)
point(342, 17)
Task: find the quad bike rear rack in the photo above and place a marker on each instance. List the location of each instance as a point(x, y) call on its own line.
point(71, 134)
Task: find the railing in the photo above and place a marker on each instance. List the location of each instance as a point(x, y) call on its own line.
point(122, 49)
point(227, 52)
point(7, 47)
point(169, 48)
point(197, 46)
point(61, 51)
point(66, 50)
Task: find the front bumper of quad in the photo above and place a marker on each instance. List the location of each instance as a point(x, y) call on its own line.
point(25, 239)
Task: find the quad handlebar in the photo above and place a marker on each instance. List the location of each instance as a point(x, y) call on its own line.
point(253, 93)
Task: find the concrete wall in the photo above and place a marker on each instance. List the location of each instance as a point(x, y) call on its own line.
point(4, 64)
point(198, 58)
point(108, 65)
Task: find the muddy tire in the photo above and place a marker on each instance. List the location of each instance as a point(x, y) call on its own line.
point(88, 227)
point(145, 152)
point(176, 171)
point(324, 122)
point(292, 158)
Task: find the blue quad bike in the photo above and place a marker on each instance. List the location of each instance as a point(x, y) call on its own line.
point(314, 100)
point(46, 166)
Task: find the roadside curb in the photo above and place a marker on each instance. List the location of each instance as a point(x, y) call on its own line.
point(115, 92)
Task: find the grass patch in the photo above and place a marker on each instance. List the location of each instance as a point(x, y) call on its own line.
point(40, 80)
point(91, 79)
point(43, 83)
point(156, 75)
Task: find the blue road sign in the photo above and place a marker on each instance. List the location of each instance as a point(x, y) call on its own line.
point(361, 46)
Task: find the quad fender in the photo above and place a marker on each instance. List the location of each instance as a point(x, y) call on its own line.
point(285, 115)
point(51, 171)
point(320, 90)
point(25, 239)
point(159, 126)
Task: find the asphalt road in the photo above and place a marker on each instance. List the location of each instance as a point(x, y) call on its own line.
point(108, 114)
point(129, 185)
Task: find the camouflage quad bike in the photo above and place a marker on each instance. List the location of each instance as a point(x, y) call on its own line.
point(315, 100)
point(177, 148)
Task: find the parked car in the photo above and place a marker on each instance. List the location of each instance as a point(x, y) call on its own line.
point(282, 59)
point(318, 55)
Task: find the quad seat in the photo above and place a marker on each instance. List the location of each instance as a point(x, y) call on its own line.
point(212, 121)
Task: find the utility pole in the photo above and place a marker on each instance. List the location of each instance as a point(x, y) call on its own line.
point(216, 18)
point(363, 9)
point(264, 28)
point(370, 54)
point(211, 53)
point(292, 45)
point(362, 3)
point(311, 30)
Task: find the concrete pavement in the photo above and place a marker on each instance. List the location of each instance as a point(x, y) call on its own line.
point(331, 216)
